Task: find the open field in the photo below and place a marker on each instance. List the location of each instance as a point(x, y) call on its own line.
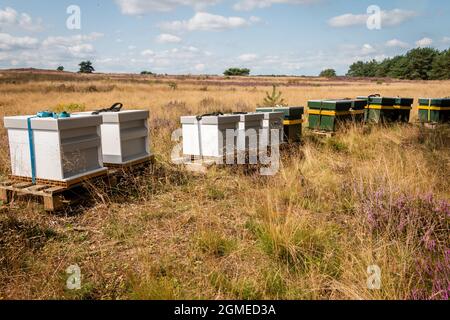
point(369, 196)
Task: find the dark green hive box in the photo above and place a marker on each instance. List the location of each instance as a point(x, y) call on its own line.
point(404, 114)
point(292, 132)
point(434, 114)
point(334, 113)
point(335, 105)
point(384, 101)
point(445, 102)
point(391, 110)
point(405, 102)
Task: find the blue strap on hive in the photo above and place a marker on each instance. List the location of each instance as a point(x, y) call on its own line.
point(42, 114)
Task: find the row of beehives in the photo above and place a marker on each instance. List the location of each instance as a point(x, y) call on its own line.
point(217, 135)
point(49, 147)
point(329, 114)
point(207, 136)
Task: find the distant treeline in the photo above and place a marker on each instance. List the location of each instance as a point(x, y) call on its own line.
point(417, 64)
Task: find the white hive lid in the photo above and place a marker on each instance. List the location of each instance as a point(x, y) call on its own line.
point(213, 120)
point(124, 116)
point(51, 124)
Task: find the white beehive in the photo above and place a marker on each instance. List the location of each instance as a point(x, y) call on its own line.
point(65, 149)
point(208, 137)
point(125, 136)
point(272, 121)
point(250, 126)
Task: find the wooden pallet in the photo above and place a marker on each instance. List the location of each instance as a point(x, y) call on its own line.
point(203, 165)
point(63, 184)
point(322, 133)
point(52, 193)
point(131, 164)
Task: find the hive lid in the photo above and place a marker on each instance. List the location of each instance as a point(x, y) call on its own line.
point(251, 117)
point(440, 102)
point(124, 116)
point(290, 113)
point(330, 104)
point(213, 120)
point(384, 101)
point(404, 101)
point(273, 115)
point(51, 124)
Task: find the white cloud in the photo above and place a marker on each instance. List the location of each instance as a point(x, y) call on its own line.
point(8, 16)
point(168, 38)
point(200, 67)
point(248, 57)
point(247, 5)
point(395, 43)
point(255, 20)
point(11, 18)
point(49, 53)
point(367, 49)
point(147, 53)
point(81, 50)
point(446, 40)
point(388, 18)
point(140, 7)
point(204, 21)
point(72, 40)
point(11, 43)
point(425, 42)
point(131, 47)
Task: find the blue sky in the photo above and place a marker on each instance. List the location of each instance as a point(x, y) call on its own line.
point(298, 37)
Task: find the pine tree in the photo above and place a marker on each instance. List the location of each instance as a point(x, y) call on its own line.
point(441, 66)
point(273, 99)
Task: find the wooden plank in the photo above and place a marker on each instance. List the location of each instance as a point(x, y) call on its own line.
point(37, 188)
point(52, 203)
point(149, 159)
point(7, 183)
point(54, 190)
point(22, 185)
point(5, 195)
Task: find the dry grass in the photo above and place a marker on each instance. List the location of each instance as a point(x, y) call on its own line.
point(368, 196)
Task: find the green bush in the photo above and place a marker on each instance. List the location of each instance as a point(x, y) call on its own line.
point(328, 73)
point(237, 72)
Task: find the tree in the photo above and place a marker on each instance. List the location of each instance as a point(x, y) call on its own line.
point(420, 63)
point(328, 73)
point(60, 68)
point(363, 69)
point(441, 66)
point(273, 99)
point(147, 73)
point(416, 64)
point(237, 72)
point(86, 67)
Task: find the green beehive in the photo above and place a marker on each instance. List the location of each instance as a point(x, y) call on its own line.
point(434, 110)
point(293, 120)
point(328, 115)
point(387, 109)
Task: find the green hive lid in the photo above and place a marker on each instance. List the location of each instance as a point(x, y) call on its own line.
point(357, 104)
point(339, 105)
point(384, 101)
point(290, 113)
point(406, 102)
point(439, 102)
